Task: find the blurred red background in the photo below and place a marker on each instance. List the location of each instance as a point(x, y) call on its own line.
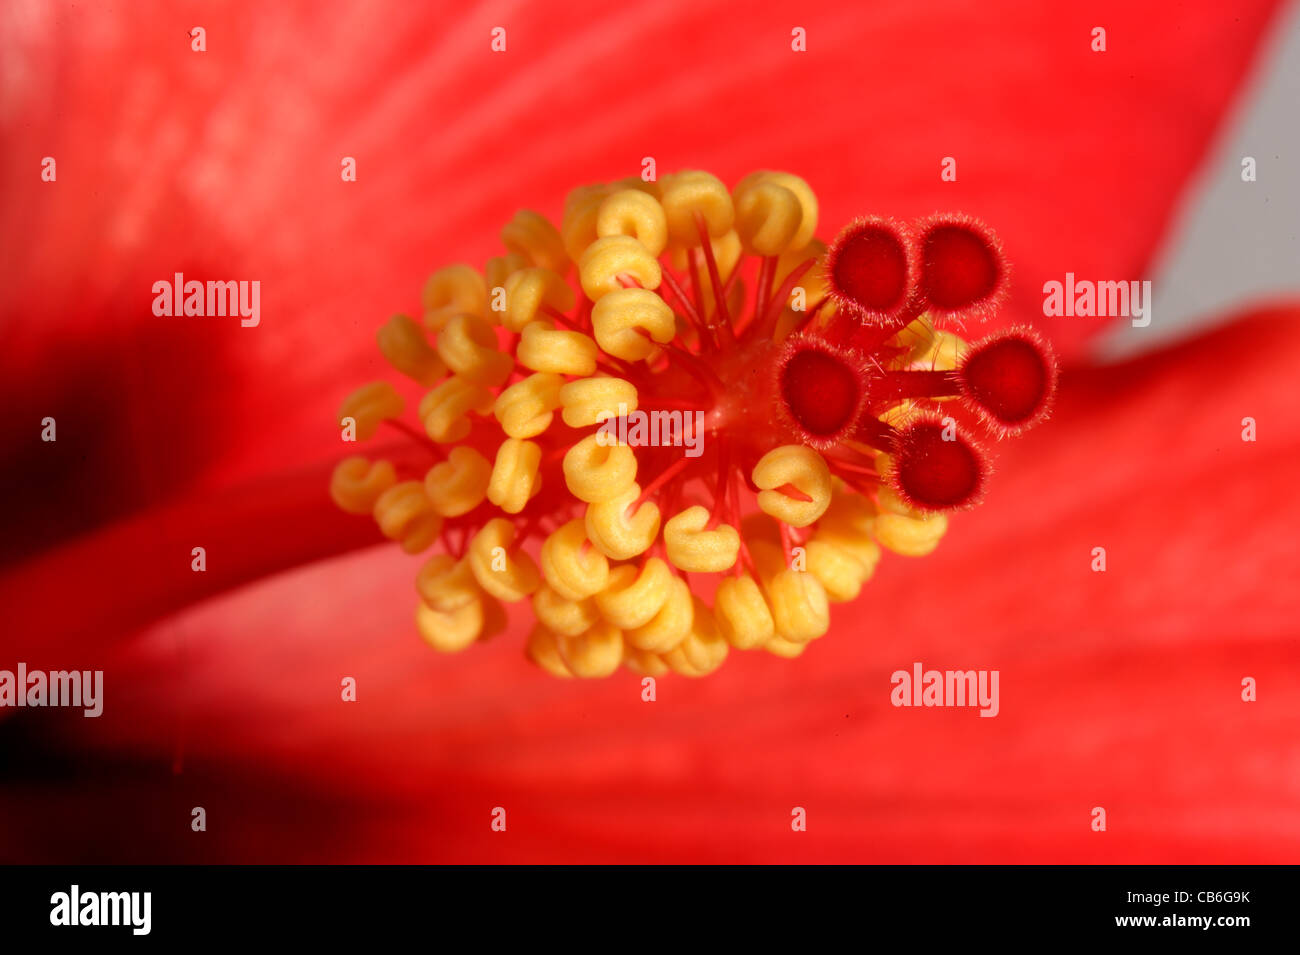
point(1119, 690)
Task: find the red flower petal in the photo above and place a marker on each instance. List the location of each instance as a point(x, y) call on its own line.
point(1119, 690)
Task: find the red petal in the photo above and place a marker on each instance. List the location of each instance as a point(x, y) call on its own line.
point(225, 164)
point(1119, 690)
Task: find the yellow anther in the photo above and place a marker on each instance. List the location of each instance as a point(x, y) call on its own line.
point(917, 337)
point(532, 236)
point(526, 408)
point(498, 271)
point(862, 547)
point(929, 349)
point(633, 596)
point(784, 648)
point(643, 661)
point(580, 195)
point(446, 584)
point(405, 514)
point(595, 471)
point(849, 523)
point(454, 290)
point(803, 193)
point(443, 410)
point(627, 320)
point(515, 478)
point(671, 623)
point(544, 348)
point(404, 346)
point(691, 193)
point(635, 213)
point(369, 405)
point(589, 401)
point(621, 536)
point(617, 255)
point(357, 483)
point(742, 613)
point(698, 551)
point(574, 569)
point(806, 470)
point(899, 414)
point(528, 291)
point(767, 554)
point(704, 648)
point(468, 344)
point(799, 606)
point(592, 655)
point(459, 484)
point(578, 226)
point(906, 531)
point(505, 574)
point(812, 286)
point(635, 182)
point(840, 572)
point(543, 651)
point(566, 617)
point(450, 632)
point(768, 216)
point(849, 511)
point(945, 352)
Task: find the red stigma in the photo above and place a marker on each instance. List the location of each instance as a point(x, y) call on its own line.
point(1009, 377)
point(822, 389)
point(872, 268)
point(936, 467)
point(963, 270)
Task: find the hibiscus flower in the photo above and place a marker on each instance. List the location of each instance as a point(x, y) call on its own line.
point(1122, 689)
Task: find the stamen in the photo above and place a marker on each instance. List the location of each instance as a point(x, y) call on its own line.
point(720, 489)
point(664, 477)
point(691, 314)
point(697, 294)
point(715, 279)
point(417, 437)
point(765, 324)
point(766, 272)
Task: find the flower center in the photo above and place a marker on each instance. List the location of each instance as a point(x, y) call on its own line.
point(682, 410)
